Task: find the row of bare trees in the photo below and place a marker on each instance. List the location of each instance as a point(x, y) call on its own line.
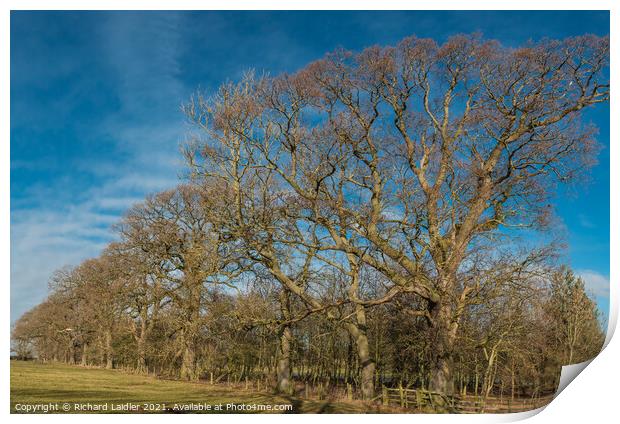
point(357, 221)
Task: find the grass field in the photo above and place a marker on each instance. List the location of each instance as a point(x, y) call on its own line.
point(57, 388)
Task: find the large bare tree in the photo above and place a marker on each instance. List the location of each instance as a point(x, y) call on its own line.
point(408, 158)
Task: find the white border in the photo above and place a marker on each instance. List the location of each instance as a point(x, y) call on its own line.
point(592, 398)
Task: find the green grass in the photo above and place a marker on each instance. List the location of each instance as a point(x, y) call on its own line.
point(35, 383)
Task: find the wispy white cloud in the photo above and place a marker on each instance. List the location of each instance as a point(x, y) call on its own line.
point(71, 228)
point(42, 241)
point(596, 283)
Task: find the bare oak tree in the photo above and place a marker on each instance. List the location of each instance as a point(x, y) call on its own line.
point(409, 157)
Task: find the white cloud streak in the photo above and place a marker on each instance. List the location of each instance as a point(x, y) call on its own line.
point(596, 283)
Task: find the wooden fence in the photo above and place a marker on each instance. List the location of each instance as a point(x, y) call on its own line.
point(424, 400)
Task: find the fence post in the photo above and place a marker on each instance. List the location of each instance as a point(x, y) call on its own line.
point(349, 392)
point(211, 378)
point(384, 395)
point(400, 392)
point(431, 400)
point(246, 382)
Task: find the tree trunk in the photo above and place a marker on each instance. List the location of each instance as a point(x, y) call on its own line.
point(358, 331)
point(84, 355)
point(188, 365)
point(108, 350)
point(144, 330)
point(72, 353)
point(188, 360)
point(191, 328)
point(442, 336)
point(489, 376)
point(141, 355)
point(284, 360)
point(283, 369)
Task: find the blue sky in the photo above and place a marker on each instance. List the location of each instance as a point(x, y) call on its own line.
point(96, 125)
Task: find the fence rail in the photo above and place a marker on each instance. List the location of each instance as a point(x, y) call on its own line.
point(424, 399)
